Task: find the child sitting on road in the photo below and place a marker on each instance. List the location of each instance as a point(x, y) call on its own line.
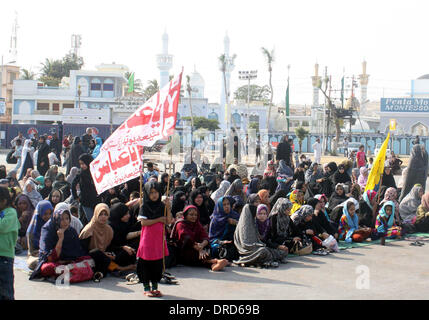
point(385, 224)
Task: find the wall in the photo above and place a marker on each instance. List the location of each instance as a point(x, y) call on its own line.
point(11, 130)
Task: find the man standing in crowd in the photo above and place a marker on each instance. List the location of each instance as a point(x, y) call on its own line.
point(346, 147)
point(18, 152)
point(35, 141)
point(56, 145)
point(20, 137)
point(86, 138)
point(416, 140)
point(284, 152)
point(361, 157)
point(317, 147)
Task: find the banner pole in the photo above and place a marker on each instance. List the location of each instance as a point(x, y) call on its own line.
point(141, 182)
point(374, 209)
point(165, 208)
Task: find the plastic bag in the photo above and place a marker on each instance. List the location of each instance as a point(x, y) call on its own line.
point(331, 244)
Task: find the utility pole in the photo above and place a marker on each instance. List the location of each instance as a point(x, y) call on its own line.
point(351, 106)
point(324, 137)
point(248, 75)
point(190, 90)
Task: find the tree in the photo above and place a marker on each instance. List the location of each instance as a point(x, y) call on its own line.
point(54, 70)
point(257, 93)
point(27, 74)
point(138, 86)
point(151, 89)
point(223, 66)
point(204, 123)
point(254, 125)
point(270, 59)
point(301, 134)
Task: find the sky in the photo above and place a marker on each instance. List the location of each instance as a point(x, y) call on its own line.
point(389, 35)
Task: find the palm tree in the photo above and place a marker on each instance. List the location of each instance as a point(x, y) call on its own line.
point(270, 59)
point(189, 90)
point(27, 74)
point(46, 67)
point(223, 61)
point(151, 89)
point(301, 134)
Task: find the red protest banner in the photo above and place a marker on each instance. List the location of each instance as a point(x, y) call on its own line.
point(120, 156)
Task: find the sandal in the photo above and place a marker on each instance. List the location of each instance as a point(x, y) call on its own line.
point(97, 277)
point(157, 293)
point(169, 276)
point(150, 294)
point(166, 280)
point(132, 279)
point(417, 244)
point(320, 252)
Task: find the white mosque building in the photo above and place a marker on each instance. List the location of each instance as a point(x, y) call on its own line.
point(239, 113)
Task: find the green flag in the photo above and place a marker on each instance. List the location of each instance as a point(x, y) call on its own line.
point(131, 83)
point(287, 104)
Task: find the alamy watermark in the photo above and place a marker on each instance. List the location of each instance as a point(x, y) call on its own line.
point(363, 279)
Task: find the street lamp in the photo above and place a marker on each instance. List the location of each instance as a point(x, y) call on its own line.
point(189, 89)
point(248, 75)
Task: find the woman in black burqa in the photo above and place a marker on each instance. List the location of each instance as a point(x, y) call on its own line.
point(417, 171)
point(75, 152)
point(42, 156)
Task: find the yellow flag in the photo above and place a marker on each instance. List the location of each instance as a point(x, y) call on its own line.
point(378, 166)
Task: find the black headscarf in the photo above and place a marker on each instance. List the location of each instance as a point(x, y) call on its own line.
point(213, 186)
point(178, 204)
point(50, 197)
point(279, 194)
point(152, 209)
point(45, 191)
point(162, 184)
point(270, 184)
point(339, 177)
point(75, 152)
point(203, 209)
point(417, 170)
point(388, 180)
point(188, 186)
point(210, 204)
point(120, 228)
point(42, 156)
point(336, 199)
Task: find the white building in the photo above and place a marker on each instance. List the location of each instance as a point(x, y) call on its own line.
point(86, 97)
point(410, 112)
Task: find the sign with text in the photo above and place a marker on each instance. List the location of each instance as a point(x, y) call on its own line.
point(2, 107)
point(404, 105)
point(120, 157)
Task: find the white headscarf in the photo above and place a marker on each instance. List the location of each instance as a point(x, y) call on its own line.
point(75, 222)
point(223, 187)
point(72, 175)
point(25, 150)
point(34, 196)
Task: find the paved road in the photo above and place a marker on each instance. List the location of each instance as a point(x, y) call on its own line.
point(396, 271)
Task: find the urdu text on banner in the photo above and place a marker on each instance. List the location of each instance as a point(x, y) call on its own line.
point(120, 158)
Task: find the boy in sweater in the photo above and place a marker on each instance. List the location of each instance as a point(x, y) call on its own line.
point(9, 226)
